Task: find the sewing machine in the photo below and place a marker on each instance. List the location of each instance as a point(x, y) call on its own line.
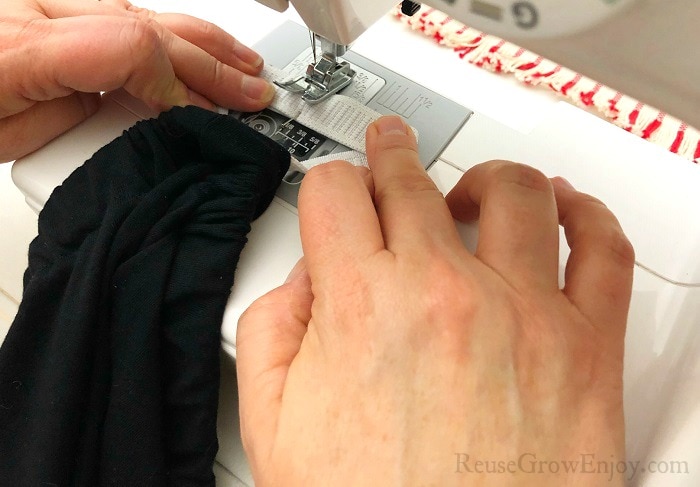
point(626, 44)
point(482, 116)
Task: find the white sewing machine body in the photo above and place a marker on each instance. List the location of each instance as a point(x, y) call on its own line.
point(343, 21)
point(654, 194)
point(647, 49)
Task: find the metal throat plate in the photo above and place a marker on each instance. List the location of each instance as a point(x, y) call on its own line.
point(436, 118)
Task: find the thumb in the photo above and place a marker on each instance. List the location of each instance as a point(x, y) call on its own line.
point(25, 132)
point(268, 339)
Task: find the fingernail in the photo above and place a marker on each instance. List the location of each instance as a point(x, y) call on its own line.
point(247, 55)
point(200, 101)
point(296, 271)
point(563, 183)
point(258, 88)
point(391, 124)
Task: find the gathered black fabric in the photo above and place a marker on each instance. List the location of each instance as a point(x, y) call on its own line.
point(110, 372)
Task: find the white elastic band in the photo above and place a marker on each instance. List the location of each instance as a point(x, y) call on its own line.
point(340, 118)
point(353, 157)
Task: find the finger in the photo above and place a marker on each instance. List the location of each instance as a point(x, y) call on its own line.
point(205, 35)
point(56, 9)
point(268, 339)
point(518, 226)
point(338, 223)
point(411, 209)
point(598, 277)
point(31, 129)
point(366, 176)
point(203, 73)
point(93, 54)
point(123, 4)
point(214, 40)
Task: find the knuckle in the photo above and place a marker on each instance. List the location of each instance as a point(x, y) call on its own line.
point(263, 309)
point(612, 237)
point(408, 189)
point(453, 299)
point(620, 248)
point(412, 185)
point(248, 315)
point(591, 201)
point(141, 13)
point(522, 175)
point(584, 204)
point(205, 30)
point(218, 74)
point(143, 40)
point(22, 58)
point(398, 146)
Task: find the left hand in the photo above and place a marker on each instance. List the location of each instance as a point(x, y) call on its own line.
point(58, 55)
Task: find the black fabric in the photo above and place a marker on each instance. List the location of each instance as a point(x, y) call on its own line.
point(110, 373)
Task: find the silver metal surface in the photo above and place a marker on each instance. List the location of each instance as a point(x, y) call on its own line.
point(324, 76)
point(363, 87)
point(436, 118)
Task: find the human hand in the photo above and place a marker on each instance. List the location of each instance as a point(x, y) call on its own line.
point(394, 356)
point(58, 55)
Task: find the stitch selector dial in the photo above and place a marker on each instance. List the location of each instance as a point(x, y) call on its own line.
point(512, 19)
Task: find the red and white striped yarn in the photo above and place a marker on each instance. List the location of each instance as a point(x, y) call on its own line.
point(500, 56)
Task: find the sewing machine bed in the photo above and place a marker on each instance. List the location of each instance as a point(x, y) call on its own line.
point(654, 194)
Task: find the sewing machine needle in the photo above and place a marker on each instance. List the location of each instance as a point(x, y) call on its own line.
point(313, 44)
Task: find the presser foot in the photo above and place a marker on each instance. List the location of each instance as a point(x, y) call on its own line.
point(323, 79)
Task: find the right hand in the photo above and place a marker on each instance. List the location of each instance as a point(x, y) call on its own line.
point(393, 355)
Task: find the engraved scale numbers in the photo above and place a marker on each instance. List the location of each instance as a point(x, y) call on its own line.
point(297, 139)
point(362, 86)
